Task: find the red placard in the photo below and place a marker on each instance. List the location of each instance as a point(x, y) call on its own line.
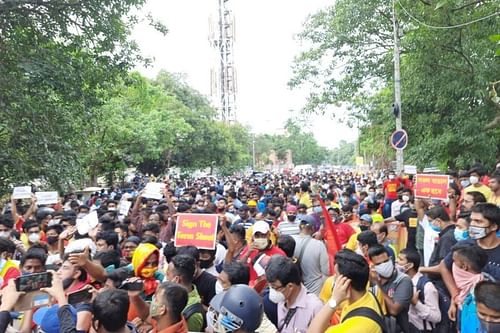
point(432, 186)
point(199, 230)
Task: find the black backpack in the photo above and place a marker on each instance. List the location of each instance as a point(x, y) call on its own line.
point(369, 313)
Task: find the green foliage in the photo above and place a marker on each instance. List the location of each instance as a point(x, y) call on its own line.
point(345, 154)
point(445, 74)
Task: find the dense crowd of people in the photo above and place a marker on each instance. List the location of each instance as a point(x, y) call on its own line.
point(273, 268)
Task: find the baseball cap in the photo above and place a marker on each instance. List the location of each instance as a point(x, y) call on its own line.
point(48, 320)
point(252, 203)
point(261, 226)
point(367, 218)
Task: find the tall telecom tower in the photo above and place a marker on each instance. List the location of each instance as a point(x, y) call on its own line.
point(223, 77)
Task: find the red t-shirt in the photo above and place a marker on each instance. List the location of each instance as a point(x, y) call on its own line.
point(250, 261)
point(391, 189)
point(344, 232)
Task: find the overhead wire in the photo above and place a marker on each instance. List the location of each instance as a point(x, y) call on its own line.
point(445, 27)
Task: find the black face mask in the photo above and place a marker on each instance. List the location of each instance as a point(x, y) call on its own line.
point(292, 218)
point(364, 227)
point(206, 263)
point(51, 240)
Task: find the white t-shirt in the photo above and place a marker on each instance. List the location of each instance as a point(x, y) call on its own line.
point(396, 208)
point(430, 239)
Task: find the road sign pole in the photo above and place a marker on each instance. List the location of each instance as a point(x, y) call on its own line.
point(397, 86)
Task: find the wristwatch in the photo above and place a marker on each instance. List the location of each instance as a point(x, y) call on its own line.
point(332, 303)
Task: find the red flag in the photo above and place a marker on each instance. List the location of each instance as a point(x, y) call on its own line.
point(330, 236)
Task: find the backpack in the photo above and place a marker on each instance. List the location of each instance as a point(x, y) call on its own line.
point(444, 305)
point(193, 309)
point(368, 313)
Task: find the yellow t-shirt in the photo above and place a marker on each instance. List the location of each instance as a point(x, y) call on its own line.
point(305, 199)
point(352, 243)
point(358, 324)
point(485, 190)
point(494, 199)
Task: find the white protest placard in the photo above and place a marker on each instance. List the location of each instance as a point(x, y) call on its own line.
point(124, 207)
point(21, 192)
point(46, 198)
point(154, 191)
point(87, 223)
point(410, 169)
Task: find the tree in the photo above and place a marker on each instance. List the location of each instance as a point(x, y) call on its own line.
point(59, 60)
point(445, 75)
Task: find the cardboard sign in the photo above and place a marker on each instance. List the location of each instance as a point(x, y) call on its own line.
point(432, 186)
point(199, 230)
point(21, 192)
point(410, 169)
point(47, 198)
point(124, 207)
point(154, 191)
point(87, 223)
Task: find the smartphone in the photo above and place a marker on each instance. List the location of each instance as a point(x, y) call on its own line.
point(32, 282)
point(132, 286)
point(81, 296)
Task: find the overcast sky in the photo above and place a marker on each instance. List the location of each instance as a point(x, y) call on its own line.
point(263, 53)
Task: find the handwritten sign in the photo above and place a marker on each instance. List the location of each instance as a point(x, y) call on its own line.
point(154, 191)
point(199, 230)
point(432, 186)
point(46, 198)
point(124, 207)
point(21, 192)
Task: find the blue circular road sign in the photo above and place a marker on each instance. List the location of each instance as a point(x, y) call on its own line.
point(399, 139)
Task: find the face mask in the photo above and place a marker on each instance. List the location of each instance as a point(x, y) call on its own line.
point(52, 239)
point(405, 198)
point(401, 268)
point(148, 272)
point(364, 227)
point(317, 210)
point(489, 326)
point(4, 234)
point(477, 232)
point(291, 218)
point(81, 215)
point(260, 243)
point(474, 180)
point(34, 238)
point(111, 209)
point(276, 296)
point(385, 269)
point(391, 177)
point(464, 183)
point(461, 235)
point(155, 309)
point(206, 263)
point(435, 228)
point(218, 287)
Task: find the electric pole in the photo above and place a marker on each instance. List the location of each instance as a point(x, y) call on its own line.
point(397, 86)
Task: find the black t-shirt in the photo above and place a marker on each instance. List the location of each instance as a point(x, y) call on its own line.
point(409, 217)
point(205, 283)
point(443, 246)
point(492, 267)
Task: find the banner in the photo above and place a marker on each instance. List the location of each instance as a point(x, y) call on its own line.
point(22, 192)
point(199, 230)
point(47, 198)
point(432, 186)
point(331, 239)
point(410, 169)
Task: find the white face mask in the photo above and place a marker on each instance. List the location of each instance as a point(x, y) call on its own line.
point(385, 269)
point(391, 176)
point(405, 198)
point(34, 238)
point(261, 243)
point(218, 287)
point(4, 234)
point(473, 180)
point(276, 296)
